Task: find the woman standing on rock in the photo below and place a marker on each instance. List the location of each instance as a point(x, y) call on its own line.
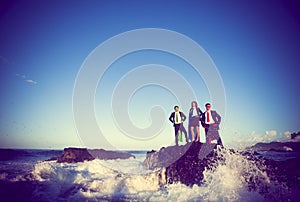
point(194, 119)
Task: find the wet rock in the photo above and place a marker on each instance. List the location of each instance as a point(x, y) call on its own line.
point(183, 164)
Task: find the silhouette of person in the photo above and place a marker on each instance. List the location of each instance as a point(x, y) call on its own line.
point(211, 121)
point(177, 118)
point(194, 119)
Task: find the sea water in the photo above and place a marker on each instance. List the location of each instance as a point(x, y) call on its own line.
point(130, 180)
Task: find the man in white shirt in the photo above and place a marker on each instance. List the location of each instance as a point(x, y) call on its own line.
point(177, 118)
point(210, 121)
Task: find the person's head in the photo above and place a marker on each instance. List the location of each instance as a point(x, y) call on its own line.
point(207, 106)
point(194, 104)
point(176, 108)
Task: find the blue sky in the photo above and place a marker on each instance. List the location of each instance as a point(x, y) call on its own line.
point(255, 46)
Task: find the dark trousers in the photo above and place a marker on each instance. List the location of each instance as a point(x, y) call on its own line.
point(180, 127)
point(212, 133)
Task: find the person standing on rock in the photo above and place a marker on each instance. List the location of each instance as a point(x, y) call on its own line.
point(194, 120)
point(177, 118)
point(211, 121)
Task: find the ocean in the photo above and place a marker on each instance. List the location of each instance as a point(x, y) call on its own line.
point(26, 176)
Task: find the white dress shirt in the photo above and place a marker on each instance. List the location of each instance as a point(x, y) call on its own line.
point(195, 112)
point(179, 118)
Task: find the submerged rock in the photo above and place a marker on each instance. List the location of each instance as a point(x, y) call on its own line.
point(109, 155)
point(183, 164)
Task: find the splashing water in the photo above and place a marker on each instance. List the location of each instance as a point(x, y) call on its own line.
point(234, 176)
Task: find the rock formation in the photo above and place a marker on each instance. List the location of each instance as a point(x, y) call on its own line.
point(276, 146)
point(74, 155)
point(183, 164)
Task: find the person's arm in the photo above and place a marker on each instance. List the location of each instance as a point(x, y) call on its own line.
point(217, 118)
point(203, 120)
point(199, 114)
point(183, 116)
point(171, 118)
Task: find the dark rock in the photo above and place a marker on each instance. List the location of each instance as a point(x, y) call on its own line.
point(276, 146)
point(165, 156)
point(183, 164)
point(74, 155)
point(108, 155)
point(294, 135)
point(52, 159)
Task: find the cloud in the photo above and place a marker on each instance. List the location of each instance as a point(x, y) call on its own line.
point(23, 77)
point(31, 81)
point(269, 136)
point(271, 133)
point(242, 140)
point(287, 134)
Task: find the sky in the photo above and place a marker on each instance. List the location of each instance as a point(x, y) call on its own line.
point(254, 46)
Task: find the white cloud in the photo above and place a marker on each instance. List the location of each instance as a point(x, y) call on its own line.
point(23, 77)
point(271, 133)
point(31, 81)
point(287, 134)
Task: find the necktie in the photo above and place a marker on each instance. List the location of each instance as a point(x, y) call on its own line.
point(208, 119)
point(176, 117)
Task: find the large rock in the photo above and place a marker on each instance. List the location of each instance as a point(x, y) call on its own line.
point(183, 164)
point(276, 146)
point(165, 156)
point(74, 155)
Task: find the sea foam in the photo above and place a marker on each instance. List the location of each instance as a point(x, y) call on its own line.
point(235, 178)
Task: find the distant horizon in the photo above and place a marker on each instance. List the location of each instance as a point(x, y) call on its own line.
point(128, 150)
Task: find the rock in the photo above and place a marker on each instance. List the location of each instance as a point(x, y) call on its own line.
point(74, 155)
point(165, 156)
point(183, 164)
point(295, 135)
point(276, 146)
point(108, 155)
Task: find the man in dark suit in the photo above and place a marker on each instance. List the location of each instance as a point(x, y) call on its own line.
point(177, 118)
point(211, 120)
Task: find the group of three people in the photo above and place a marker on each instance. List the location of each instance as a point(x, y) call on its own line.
point(209, 120)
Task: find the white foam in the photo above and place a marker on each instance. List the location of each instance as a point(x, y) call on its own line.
point(93, 179)
point(3, 176)
point(111, 179)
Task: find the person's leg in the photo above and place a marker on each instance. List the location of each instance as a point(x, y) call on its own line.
point(182, 128)
point(198, 134)
point(192, 132)
point(176, 127)
point(219, 141)
point(209, 136)
point(206, 135)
